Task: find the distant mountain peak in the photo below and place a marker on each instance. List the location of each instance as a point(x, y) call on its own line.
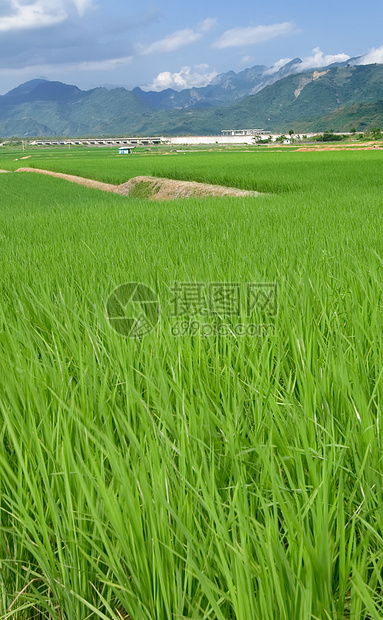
point(28, 86)
point(221, 77)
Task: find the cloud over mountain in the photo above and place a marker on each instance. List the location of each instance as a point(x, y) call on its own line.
point(318, 59)
point(187, 77)
point(373, 56)
point(277, 65)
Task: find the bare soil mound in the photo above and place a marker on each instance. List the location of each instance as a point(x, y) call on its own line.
point(152, 188)
point(155, 188)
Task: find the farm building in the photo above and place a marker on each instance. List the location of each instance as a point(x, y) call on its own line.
point(124, 150)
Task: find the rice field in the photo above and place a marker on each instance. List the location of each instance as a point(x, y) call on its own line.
point(192, 474)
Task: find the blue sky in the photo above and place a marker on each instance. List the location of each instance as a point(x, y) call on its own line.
point(168, 43)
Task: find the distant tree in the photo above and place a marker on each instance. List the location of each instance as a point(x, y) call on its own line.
point(353, 130)
point(291, 131)
point(376, 134)
point(329, 136)
point(261, 141)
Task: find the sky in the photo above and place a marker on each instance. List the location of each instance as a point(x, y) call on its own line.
point(173, 44)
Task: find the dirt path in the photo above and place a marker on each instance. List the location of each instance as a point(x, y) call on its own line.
point(2, 171)
point(106, 187)
point(152, 188)
point(367, 146)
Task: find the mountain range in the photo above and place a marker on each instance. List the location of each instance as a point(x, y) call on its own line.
point(224, 89)
point(340, 96)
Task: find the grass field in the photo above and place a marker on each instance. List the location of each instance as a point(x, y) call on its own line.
point(202, 477)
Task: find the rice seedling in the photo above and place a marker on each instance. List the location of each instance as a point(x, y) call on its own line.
point(220, 476)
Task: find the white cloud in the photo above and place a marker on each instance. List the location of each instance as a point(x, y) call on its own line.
point(171, 43)
point(103, 65)
point(48, 69)
point(318, 60)
point(178, 39)
point(38, 14)
point(373, 56)
point(250, 35)
point(247, 60)
point(207, 24)
point(83, 6)
point(277, 66)
point(30, 14)
point(185, 78)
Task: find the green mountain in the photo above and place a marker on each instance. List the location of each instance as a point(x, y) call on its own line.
point(56, 109)
point(305, 98)
point(358, 116)
point(338, 97)
point(304, 102)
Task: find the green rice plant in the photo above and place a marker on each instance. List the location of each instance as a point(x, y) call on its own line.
point(222, 476)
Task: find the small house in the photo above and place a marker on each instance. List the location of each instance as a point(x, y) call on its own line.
point(124, 150)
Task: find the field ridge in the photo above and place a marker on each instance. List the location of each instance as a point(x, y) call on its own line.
point(153, 188)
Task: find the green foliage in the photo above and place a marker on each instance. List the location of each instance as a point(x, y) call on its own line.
point(261, 141)
point(330, 136)
point(196, 477)
point(362, 115)
point(374, 134)
point(143, 189)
